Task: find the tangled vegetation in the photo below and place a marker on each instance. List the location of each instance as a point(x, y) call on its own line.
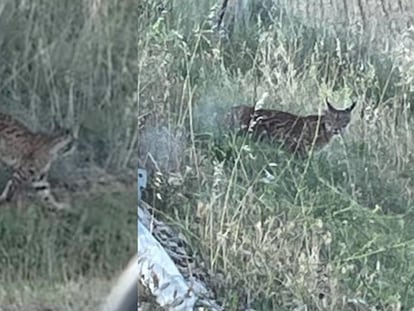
point(334, 232)
point(71, 64)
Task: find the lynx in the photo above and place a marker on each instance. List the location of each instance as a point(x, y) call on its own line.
point(298, 134)
point(29, 155)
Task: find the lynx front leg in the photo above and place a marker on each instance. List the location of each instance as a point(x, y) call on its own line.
point(42, 188)
point(301, 152)
point(10, 189)
point(7, 193)
point(298, 149)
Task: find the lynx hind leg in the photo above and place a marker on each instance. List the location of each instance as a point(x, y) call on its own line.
point(42, 188)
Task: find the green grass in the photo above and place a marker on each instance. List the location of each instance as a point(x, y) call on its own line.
point(42, 250)
point(330, 233)
point(79, 294)
point(74, 64)
point(67, 244)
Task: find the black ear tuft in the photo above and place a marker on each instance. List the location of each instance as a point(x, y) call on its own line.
point(350, 108)
point(330, 107)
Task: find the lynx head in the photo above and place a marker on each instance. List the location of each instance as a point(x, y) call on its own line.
point(49, 148)
point(336, 120)
point(238, 117)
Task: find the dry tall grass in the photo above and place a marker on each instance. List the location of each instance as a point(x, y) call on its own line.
point(331, 233)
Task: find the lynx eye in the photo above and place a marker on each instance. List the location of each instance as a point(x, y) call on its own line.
point(32, 174)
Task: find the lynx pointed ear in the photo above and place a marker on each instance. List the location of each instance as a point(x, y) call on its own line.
point(330, 107)
point(350, 108)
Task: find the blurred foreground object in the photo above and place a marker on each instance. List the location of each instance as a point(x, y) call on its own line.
point(162, 269)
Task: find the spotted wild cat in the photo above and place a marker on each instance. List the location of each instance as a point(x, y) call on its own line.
point(298, 134)
point(29, 155)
